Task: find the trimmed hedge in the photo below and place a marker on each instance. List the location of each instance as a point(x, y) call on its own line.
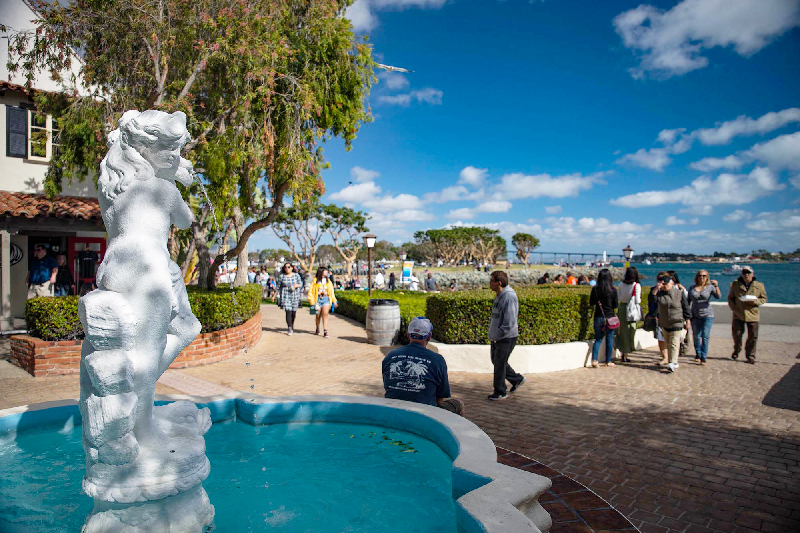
point(56, 318)
point(547, 315)
point(353, 304)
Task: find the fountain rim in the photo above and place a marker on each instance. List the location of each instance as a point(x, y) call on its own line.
point(491, 497)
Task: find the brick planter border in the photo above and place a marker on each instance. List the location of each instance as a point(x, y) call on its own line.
point(50, 358)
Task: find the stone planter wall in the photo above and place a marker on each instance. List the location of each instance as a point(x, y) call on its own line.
point(49, 358)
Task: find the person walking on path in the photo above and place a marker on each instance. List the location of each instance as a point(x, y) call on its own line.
point(289, 287)
point(416, 374)
point(603, 299)
point(673, 318)
point(629, 295)
point(745, 297)
point(65, 283)
point(392, 281)
point(685, 341)
point(503, 333)
point(700, 295)
point(321, 296)
point(42, 272)
point(652, 311)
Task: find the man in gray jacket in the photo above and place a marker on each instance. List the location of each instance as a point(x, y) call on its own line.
point(503, 333)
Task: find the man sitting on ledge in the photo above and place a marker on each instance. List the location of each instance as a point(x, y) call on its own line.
point(416, 374)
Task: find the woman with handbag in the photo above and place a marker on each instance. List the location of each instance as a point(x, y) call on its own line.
point(289, 286)
point(630, 312)
point(322, 297)
point(673, 317)
point(604, 301)
point(700, 295)
point(651, 320)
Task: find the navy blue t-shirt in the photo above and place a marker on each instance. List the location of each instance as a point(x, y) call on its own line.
point(415, 374)
point(41, 269)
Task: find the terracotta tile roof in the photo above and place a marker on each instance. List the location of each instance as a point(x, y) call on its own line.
point(13, 86)
point(17, 204)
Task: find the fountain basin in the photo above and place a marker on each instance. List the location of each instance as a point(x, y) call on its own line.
point(487, 496)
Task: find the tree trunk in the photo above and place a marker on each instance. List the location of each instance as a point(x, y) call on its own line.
point(241, 262)
point(206, 278)
point(348, 267)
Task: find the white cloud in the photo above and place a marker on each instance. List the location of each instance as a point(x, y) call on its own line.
point(654, 158)
point(362, 12)
point(724, 132)
point(670, 43)
point(464, 212)
point(702, 210)
point(428, 96)
point(726, 189)
point(518, 185)
point(788, 219)
point(494, 207)
point(393, 203)
point(711, 164)
point(795, 181)
point(736, 216)
point(782, 152)
point(412, 215)
point(453, 193)
point(357, 193)
point(362, 175)
point(394, 80)
point(473, 176)
point(672, 220)
point(552, 209)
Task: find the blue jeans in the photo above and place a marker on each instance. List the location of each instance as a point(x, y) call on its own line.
point(701, 331)
point(600, 332)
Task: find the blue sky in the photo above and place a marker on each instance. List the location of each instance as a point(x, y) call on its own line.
point(669, 126)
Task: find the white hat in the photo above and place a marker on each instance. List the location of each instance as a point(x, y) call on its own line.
point(420, 328)
point(748, 268)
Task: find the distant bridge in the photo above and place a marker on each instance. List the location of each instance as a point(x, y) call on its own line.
point(581, 257)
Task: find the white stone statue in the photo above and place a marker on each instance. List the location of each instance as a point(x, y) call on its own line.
point(137, 322)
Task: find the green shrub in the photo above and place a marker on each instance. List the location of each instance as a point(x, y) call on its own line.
point(56, 318)
point(219, 309)
point(353, 304)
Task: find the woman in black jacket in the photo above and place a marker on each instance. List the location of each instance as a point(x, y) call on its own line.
point(603, 300)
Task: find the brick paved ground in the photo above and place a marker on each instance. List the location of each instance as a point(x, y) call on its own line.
point(713, 448)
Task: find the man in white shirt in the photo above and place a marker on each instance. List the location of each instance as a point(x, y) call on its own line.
point(414, 280)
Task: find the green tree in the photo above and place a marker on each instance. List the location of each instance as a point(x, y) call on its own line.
point(344, 226)
point(263, 84)
point(525, 244)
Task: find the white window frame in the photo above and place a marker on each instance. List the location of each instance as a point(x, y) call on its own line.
point(48, 128)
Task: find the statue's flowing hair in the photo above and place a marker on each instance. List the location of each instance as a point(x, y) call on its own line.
point(124, 163)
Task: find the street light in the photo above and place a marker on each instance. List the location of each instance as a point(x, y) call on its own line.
point(369, 242)
point(628, 253)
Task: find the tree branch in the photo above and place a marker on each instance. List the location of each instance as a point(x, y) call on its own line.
point(199, 66)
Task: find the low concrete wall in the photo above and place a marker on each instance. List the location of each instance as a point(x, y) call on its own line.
point(49, 358)
point(529, 359)
point(772, 314)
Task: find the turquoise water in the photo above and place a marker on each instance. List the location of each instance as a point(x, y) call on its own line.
point(279, 478)
point(782, 280)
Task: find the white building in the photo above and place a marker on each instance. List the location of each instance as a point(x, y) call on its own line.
point(70, 223)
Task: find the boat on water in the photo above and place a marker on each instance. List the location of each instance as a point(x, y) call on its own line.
point(733, 270)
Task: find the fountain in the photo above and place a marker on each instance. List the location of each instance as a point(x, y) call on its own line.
point(136, 323)
point(146, 456)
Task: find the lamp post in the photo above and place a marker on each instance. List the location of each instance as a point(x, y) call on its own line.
point(369, 242)
point(628, 253)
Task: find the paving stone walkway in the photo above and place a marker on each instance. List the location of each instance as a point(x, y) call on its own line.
point(714, 448)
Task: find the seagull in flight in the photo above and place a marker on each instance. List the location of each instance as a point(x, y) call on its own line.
point(390, 68)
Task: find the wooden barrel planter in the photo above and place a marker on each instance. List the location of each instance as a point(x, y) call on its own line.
point(383, 322)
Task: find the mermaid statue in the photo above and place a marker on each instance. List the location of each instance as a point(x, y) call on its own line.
point(136, 323)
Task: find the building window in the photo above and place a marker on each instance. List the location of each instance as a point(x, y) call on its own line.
point(31, 134)
point(43, 136)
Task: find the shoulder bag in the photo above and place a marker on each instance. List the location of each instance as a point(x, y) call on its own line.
point(633, 311)
point(611, 323)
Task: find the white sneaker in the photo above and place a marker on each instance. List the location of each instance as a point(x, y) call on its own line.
point(290, 331)
point(671, 367)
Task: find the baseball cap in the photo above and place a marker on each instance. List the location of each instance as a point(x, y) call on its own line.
point(747, 268)
point(420, 328)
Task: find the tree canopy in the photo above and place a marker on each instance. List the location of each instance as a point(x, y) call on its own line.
point(263, 84)
point(525, 244)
